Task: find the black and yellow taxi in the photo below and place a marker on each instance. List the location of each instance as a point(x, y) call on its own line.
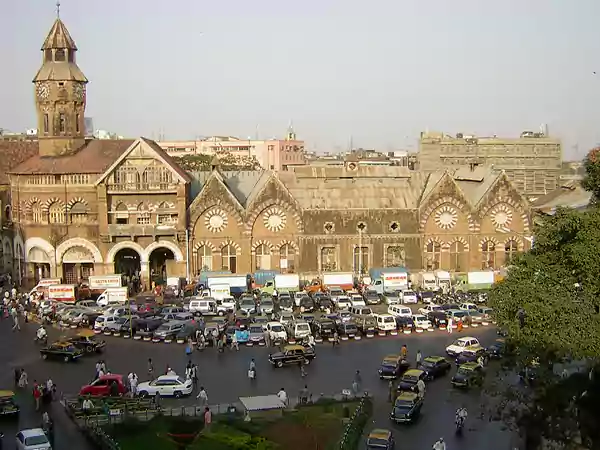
point(380, 439)
point(472, 354)
point(292, 354)
point(63, 350)
point(435, 366)
point(407, 407)
point(409, 380)
point(87, 340)
point(8, 405)
point(392, 367)
point(468, 375)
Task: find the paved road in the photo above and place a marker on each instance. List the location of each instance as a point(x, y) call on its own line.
point(224, 377)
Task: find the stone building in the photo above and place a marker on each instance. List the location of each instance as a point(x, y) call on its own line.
point(533, 162)
point(78, 206)
point(353, 218)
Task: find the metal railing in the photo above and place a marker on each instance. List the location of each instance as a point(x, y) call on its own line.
point(354, 429)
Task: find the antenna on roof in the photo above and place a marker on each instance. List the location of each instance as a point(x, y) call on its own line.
point(58, 9)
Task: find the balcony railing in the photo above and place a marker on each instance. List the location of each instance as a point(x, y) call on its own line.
point(117, 230)
point(136, 187)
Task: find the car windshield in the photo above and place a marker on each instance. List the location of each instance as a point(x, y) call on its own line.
point(459, 314)
point(350, 328)
point(345, 314)
point(410, 378)
point(389, 319)
point(255, 329)
point(377, 443)
point(302, 327)
point(163, 327)
point(247, 302)
point(428, 364)
point(35, 440)
point(392, 364)
point(336, 292)
point(403, 403)
point(277, 328)
point(409, 293)
point(267, 302)
point(464, 371)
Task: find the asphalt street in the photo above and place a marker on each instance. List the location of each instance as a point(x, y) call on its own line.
point(225, 378)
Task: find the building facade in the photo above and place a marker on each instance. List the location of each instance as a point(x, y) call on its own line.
point(77, 206)
point(272, 154)
point(532, 162)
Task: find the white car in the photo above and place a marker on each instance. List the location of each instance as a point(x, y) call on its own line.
point(166, 386)
point(421, 321)
point(284, 317)
point(468, 306)
point(343, 302)
point(32, 439)
point(297, 297)
point(459, 345)
point(276, 331)
point(429, 308)
point(409, 296)
point(357, 300)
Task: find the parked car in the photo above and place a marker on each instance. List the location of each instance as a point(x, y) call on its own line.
point(307, 304)
point(409, 296)
point(497, 349)
point(292, 354)
point(257, 333)
point(323, 327)
point(468, 375)
point(437, 318)
point(166, 386)
point(276, 331)
point(372, 298)
point(391, 298)
point(247, 305)
point(472, 354)
point(168, 330)
point(32, 439)
point(102, 387)
point(348, 329)
point(421, 321)
point(409, 380)
point(435, 366)
point(460, 345)
point(267, 305)
point(429, 308)
point(343, 302)
point(380, 439)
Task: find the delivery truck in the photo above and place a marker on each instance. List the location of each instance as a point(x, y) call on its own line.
point(42, 286)
point(283, 282)
point(344, 280)
point(103, 282)
point(113, 295)
point(389, 282)
point(238, 284)
point(66, 293)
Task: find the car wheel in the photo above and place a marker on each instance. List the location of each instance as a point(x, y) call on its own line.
point(106, 330)
point(177, 394)
point(279, 364)
point(143, 394)
point(44, 356)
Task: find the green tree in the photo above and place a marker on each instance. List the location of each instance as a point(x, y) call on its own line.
point(591, 180)
point(227, 162)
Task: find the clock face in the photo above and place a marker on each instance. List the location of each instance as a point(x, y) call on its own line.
point(79, 92)
point(43, 91)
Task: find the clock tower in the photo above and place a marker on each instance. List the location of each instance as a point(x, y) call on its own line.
point(60, 95)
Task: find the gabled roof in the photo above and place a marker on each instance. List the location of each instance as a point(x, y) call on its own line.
point(198, 187)
point(95, 156)
point(568, 195)
point(59, 37)
point(158, 152)
point(13, 153)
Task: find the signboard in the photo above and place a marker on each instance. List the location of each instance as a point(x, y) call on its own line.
point(283, 263)
point(48, 281)
point(392, 280)
point(61, 291)
point(105, 282)
point(486, 277)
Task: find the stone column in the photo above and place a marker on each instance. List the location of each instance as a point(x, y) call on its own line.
point(145, 275)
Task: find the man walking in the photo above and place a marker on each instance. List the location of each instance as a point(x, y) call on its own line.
point(449, 327)
point(202, 396)
point(15, 316)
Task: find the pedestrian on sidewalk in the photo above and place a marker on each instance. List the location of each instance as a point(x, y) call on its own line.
point(194, 376)
point(449, 326)
point(23, 379)
point(234, 342)
point(419, 358)
point(207, 418)
point(202, 396)
point(37, 395)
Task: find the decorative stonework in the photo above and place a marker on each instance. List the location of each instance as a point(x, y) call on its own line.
point(290, 243)
point(462, 240)
point(519, 209)
point(267, 244)
point(216, 220)
point(54, 200)
point(235, 245)
point(201, 244)
point(78, 255)
point(274, 219)
point(519, 242)
point(394, 227)
point(446, 217)
point(460, 206)
point(501, 216)
point(361, 227)
point(329, 227)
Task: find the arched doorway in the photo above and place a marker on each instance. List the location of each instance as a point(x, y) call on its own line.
point(39, 263)
point(128, 263)
point(161, 262)
point(77, 264)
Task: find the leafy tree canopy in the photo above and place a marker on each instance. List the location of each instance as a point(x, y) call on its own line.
point(227, 162)
point(591, 180)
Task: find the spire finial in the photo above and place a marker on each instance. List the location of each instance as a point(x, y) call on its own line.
point(58, 9)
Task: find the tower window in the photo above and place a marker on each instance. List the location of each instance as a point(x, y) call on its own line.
point(78, 117)
point(59, 55)
point(62, 123)
point(46, 123)
point(71, 56)
point(48, 55)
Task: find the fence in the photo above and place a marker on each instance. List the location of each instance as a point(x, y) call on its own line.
point(354, 429)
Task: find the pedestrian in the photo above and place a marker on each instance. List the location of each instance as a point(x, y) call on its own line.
point(302, 370)
point(404, 352)
point(421, 389)
point(207, 418)
point(459, 325)
point(23, 379)
point(15, 316)
point(419, 358)
point(170, 371)
point(150, 368)
point(234, 342)
point(336, 339)
point(449, 327)
point(87, 405)
point(129, 378)
point(267, 338)
point(391, 391)
point(50, 388)
point(358, 379)
point(202, 396)
point(17, 376)
point(37, 395)
point(133, 385)
point(282, 395)
point(215, 337)
point(194, 376)
point(103, 366)
point(188, 348)
point(252, 370)
point(304, 395)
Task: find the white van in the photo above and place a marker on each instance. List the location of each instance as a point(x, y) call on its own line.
point(105, 322)
point(385, 322)
point(205, 306)
point(399, 311)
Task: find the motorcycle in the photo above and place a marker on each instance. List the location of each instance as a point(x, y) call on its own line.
point(41, 338)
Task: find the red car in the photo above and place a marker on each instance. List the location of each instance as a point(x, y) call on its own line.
point(147, 308)
point(102, 386)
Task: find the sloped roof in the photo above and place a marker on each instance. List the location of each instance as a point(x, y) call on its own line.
point(59, 37)
point(167, 159)
point(242, 184)
point(13, 153)
point(475, 185)
point(96, 156)
point(569, 195)
point(60, 71)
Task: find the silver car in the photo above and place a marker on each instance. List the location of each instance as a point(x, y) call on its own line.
point(256, 333)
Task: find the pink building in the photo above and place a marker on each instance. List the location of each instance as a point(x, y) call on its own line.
point(272, 154)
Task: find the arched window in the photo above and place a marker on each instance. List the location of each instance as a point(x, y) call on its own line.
point(329, 259)
point(56, 213)
point(143, 216)
point(394, 256)
point(287, 256)
point(433, 255)
point(229, 258)
point(36, 212)
point(361, 260)
point(78, 213)
point(262, 257)
point(488, 255)
point(7, 213)
point(457, 256)
point(511, 248)
point(204, 258)
point(121, 214)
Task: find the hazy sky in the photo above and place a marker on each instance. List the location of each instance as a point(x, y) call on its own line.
point(381, 71)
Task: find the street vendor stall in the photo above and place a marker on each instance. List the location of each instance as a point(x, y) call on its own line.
point(262, 406)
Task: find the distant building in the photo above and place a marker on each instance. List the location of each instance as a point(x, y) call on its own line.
point(272, 154)
point(88, 124)
point(532, 161)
